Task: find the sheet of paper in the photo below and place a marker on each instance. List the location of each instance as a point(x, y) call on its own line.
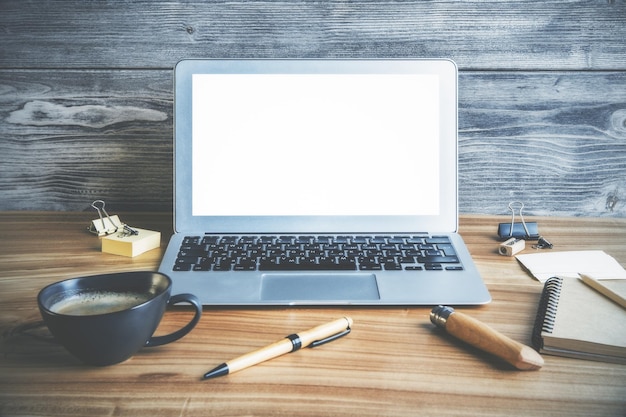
point(570, 264)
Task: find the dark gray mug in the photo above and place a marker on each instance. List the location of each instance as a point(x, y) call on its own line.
point(105, 319)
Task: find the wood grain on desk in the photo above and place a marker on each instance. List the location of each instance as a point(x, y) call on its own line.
point(393, 363)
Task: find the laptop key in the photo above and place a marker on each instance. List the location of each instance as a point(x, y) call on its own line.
point(438, 239)
point(447, 249)
point(187, 253)
point(413, 268)
point(191, 240)
point(182, 267)
point(322, 265)
point(438, 259)
point(245, 267)
point(370, 267)
point(454, 268)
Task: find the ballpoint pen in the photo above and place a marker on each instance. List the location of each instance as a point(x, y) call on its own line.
point(310, 338)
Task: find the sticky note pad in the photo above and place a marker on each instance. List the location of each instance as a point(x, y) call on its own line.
point(131, 245)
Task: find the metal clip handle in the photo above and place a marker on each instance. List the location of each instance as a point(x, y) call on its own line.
point(330, 338)
point(99, 206)
point(521, 207)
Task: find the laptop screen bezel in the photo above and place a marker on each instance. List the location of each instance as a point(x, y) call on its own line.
point(445, 221)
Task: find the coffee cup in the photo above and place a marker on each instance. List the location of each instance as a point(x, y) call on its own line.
point(105, 319)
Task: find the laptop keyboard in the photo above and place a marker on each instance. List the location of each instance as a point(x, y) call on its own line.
point(316, 253)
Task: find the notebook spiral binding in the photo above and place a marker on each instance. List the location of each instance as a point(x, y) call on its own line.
point(546, 312)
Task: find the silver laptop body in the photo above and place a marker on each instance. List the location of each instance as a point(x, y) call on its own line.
point(280, 159)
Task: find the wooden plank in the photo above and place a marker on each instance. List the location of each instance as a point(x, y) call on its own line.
point(477, 34)
point(555, 140)
point(70, 137)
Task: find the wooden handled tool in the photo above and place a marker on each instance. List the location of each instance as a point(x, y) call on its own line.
point(484, 337)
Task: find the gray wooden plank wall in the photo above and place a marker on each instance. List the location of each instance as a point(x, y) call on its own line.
point(86, 91)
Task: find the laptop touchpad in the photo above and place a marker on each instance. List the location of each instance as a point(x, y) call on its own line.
point(318, 287)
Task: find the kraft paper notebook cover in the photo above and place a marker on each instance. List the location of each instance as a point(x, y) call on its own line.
point(614, 289)
point(576, 321)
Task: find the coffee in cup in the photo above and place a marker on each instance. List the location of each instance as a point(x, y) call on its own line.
point(87, 303)
point(105, 319)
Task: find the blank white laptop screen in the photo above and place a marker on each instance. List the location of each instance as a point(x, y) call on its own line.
point(315, 144)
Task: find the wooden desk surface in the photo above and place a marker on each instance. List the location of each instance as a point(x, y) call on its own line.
point(393, 363)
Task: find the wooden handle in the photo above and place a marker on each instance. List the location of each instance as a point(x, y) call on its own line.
point(484, 337)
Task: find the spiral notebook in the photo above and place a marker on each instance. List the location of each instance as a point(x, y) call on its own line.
point(576, 321)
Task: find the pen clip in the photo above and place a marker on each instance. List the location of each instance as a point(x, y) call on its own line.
point(330, 338)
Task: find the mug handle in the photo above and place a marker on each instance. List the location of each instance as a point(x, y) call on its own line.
point(180, 298)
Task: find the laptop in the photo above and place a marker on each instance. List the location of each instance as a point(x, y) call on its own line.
point(318, 182)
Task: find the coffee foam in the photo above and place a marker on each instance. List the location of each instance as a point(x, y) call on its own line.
point(89, 303)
